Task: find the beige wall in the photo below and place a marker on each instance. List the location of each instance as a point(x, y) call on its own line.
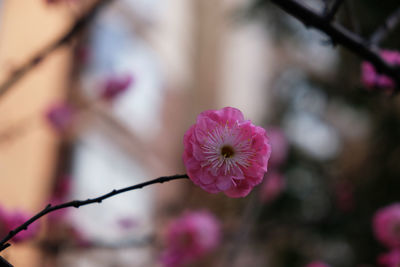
point(27, 160)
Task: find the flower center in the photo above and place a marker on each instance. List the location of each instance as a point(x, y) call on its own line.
point(227, 151)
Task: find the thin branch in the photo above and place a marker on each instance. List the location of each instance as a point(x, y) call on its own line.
point(79, 203)
point(390, 23)
point(340, 35)
point(4, 263)
point(76, 28)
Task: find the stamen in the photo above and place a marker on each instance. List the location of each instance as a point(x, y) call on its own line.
point(225, 148)
point(227, 151)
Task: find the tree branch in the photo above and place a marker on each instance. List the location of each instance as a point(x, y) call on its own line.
point(79, 203)
point(4, 263)
point(340, 35)
point(77, 27)
point(390, 23)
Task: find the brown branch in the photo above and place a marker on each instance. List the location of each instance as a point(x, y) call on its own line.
point(390, 23)
point(78, 203)
point(340, 35)
point(76, 28)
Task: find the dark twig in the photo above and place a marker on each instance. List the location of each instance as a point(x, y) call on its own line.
point(390, 23)
point(79, 203)
point(77, 27)
point(339, 35)
point(4, 263)
point(331, 12)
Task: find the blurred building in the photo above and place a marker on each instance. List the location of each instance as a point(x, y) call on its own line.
point(186, 56)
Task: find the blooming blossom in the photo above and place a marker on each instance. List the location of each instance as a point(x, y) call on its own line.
point(191, 237)
point(60, 116)
point(225, 152)
point(9, 220)
point(317, 264)
point(116, 85)
point(273, 185)
point(372, 79)
point(386, 224)
point(280, 146)
point(390, 259)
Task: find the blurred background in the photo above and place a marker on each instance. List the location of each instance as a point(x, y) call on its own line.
point(65, 134)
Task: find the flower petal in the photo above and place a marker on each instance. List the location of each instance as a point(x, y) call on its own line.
point(224, 183)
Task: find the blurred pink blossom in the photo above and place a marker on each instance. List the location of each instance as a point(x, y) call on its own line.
point(372, 79)
point(224, 152)
point(9, 220)
point(273, 185)
point(279, 146)
point(115, 86)
point(60, 116)
point(317, 264)
point(390, 259)
point(386, 224)
point(191, 237)
point(127, 223)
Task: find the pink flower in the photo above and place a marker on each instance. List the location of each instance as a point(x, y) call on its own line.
point(317, 264)
point(279, 145)
point(224, 152)
point(390, 259)
point(372, 79)
point(386, 224)
point(114, 86)
point(273, 185)
point(191, 237)
point(60, 116)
